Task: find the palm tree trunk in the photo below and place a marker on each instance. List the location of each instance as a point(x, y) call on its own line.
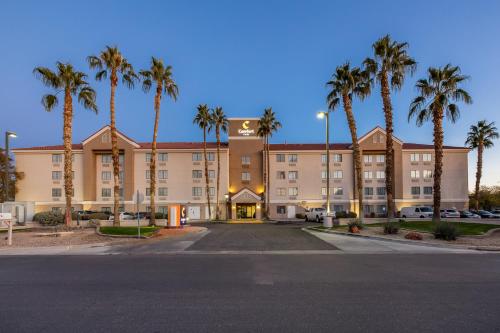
point(264, 160)
point(217, 134)
point(479, 172)
point(389, 149)
point(268, 197)
point(206, 172)
point(68, 168)
point(356, 153)
point(152, 162)
point(115, 153)
point(438, 166)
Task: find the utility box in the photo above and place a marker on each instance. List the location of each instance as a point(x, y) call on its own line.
point(174, 216)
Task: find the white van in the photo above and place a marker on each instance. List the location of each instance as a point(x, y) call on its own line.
point(419, 212)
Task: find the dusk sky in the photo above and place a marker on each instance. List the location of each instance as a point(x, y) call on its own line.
point(245, 56)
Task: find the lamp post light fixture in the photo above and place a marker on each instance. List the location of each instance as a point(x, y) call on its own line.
point(8, 135)
point(326, 115)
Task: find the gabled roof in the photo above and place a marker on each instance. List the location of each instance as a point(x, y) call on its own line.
point(107, 127)
point(377, 129)
point(248, 191)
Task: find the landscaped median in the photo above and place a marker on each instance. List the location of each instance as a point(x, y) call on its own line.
point(128, 232)
point(482, 236)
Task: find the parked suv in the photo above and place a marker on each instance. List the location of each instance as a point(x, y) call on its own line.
point(315, 214)
point(449, 213)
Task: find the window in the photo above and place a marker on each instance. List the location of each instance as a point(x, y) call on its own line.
point(196, 191)
point(120, 192)
point(56, 192)
point(163, 210)
point(426, 157)
point(368, 158)
point(323, 191)
point(427, 174)
point(281, 210)
point(245, 160)
point(368, 190)
point(380, 174)
point(323, 158)
point(211, 156)
point(148, 174)
point(293, 191)
point(414, 157)
point(245, 176)
point(211, 191)
point(163, 157)
point(121, 158)
point(197, 174)
point(163, 191)
point(323, 174)
point(280, 175)
point(415, 174)
point(337, 158)
point(56, 175)
point(162, 174)
point(428, 190)
point(380, 190)
point(280, 157)
point(106, 192)
point(415, 190)
point(196, 157)
point(57, 158)
point(380, 158)
point(292, 158)
point(338, 174)
point(148, 157)
point(293, 175)
point(148, 191)
point(106, 209)
point(211, 173)
point(368, 174)
point(281, 191)
point(338, 191)
point(106, 175)
point(106, 158)
point(120, 175)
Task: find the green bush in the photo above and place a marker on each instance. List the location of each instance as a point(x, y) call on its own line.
point(98, 216)
point(300, 216)
point(355, 223)
point(446, 231)
point(391, 228)
point(344, 215)
point(49, 218)
point(160, 216)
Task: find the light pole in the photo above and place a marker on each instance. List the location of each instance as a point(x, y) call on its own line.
point(8, 134)
point(321, 115)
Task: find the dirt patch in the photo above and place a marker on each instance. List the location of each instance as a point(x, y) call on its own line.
point(173, 232)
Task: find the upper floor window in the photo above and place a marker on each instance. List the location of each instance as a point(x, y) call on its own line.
point(380, 174)
point(323, 191)
point(428, 190)
point(368, 175)
point(415, 174)
point(245, 160)
point(380, 190)
point(368, 158)
point(280, 175)
point(163, 157)
point(106, 175)
point(57, 158)
point(148, 191)
point(196, 157)
point(106, 158)
point(280, 157)
point(245, 176)
point(338, 191)
point(380, 158)
point(106, 192)
point(148, 174)
point(368, 190)
point(337, 158)
point(163, 191)
point(148, 157)
point(293, 191)
point(197, 174)
point(426, 157)
point(292, 175)
point(56, 175)
point(414, 157)
point(280, 191)
point(211, 191)
point(121, 158)
point(338, 174)
point(427, 173)
point(210, 156)
point(323, 158)
point(292, 158)
point(120, 175)
point(162, 174)
point(56, 192)
point(196, 191)
point(415, 190)
point(211, 173)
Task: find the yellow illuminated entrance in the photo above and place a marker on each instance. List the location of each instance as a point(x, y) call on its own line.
point(245, 211)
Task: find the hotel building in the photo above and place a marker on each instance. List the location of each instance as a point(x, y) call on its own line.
point(297, 175)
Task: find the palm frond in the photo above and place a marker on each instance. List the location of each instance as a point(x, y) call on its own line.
point(49, 101)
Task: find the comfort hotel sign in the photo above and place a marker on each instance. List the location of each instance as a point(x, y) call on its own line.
point(246, 129)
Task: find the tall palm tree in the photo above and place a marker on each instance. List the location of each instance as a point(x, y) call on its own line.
point(110, 62)
point(66, 80)
point(389, 66)
point(481, 136)
point(438, 94)
point(267, 125)
point(161, 76)
point(221, 123)
point(203, 119)
point(345, 84)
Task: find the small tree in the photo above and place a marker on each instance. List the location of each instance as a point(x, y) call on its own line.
point(9, 189)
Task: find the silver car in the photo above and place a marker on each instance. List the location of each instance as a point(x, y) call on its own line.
point(450, 213)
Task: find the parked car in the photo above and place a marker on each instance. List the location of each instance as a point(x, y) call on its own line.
point(496, 214)
point(123, 216)
point(449, 213)
point(419, 212)
point(484, 214)
point(468, 215)
point(315, 214)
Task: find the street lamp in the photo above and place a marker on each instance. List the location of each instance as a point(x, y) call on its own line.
point(322, 115)
point(8, 134)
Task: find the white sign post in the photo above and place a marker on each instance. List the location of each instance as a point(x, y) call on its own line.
point(7, 219)
point(138, 198)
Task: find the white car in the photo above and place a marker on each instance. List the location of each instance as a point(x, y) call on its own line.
point(315, 214)
point(449, 213)
point(123, 216)
point(418, 212)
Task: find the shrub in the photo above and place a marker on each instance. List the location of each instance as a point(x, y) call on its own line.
point(353, 225)
point(402, 221)
point(446, 231)
point(343, 215)
point(391, 228)
point(414, 235)
point(300, 216)
point(49, 218)
point(98, 216)
point(160, 216)
point(372, 215)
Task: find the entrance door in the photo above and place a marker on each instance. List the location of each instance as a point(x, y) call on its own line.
point(290, 212)
point(245, 211)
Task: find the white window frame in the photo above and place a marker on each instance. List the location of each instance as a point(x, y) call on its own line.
point(293, 191)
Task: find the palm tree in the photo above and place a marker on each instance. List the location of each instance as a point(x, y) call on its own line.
point(203, 119)
point(110, 62)
point(389, 66)
point(160, 75)
point(481, 136)
point(437, 94)
point(221, 123)
point(267, 125)
point(346, 83)
point(68, 81)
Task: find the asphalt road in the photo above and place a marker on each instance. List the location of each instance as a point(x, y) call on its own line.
point(251, 293)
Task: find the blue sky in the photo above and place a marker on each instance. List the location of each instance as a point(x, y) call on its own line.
point(245, 56)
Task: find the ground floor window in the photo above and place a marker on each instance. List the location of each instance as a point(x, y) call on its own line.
point(163, 210)
point(338, 208)
point(56, 209)
point(106, 209)
point(281, 210)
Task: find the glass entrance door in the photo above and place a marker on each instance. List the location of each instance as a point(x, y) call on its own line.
point(245, 211)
